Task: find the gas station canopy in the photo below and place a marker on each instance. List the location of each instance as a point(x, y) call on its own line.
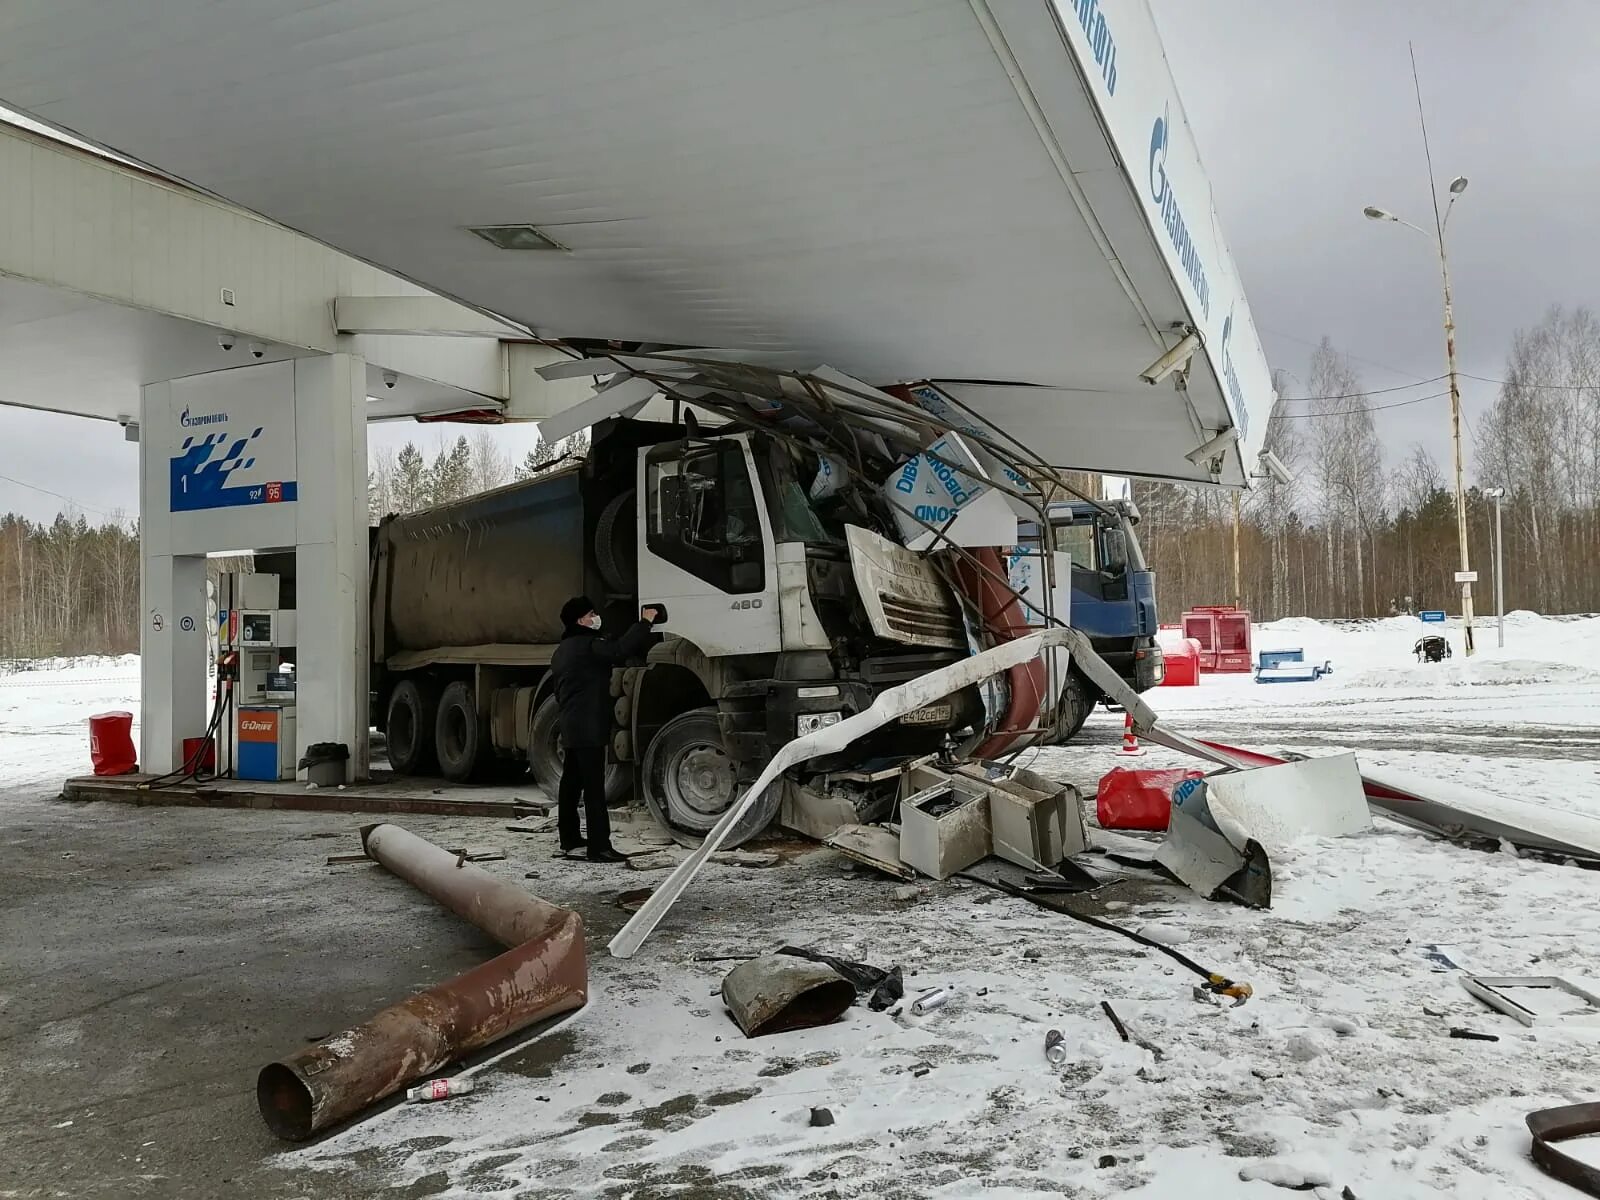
point(999, 195)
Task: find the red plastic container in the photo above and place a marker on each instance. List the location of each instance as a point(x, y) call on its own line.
point(1130, 799)
point(1183, 663)
point(111, 743)
point(1224, 636)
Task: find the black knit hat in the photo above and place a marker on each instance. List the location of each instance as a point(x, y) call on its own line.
point(575, 609)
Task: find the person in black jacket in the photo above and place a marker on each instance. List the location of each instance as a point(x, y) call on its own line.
point(581, 668)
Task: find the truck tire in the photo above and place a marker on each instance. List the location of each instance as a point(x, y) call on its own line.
point(1078, 697)
point(545, 756)
point(413, 709)
point(690, 780)
point(458, 733)
point(616, 551)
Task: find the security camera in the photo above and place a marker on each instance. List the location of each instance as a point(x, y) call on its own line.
point(390, 379)
point(226, 341)
point(1206, 451)
point(1175, 359)
point(257, 349)
point(1274, 469)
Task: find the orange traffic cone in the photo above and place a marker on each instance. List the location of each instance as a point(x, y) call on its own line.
point(1130, 740)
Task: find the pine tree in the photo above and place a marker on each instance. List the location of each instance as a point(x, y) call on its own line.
point(411, 480)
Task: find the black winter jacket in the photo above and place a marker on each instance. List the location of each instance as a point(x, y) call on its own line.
point(582, 669)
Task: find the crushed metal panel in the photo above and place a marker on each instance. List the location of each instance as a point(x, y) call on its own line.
point(871, 845)
point(945, 827)
point(776, 993)
point(816, 814)
point(1579, 1005)
point(1035, 822)
point(1225, 828)
point(904, 597)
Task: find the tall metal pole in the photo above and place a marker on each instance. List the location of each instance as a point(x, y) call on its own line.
point(1499, 574)
point(1238, 590)
point(1450, 356)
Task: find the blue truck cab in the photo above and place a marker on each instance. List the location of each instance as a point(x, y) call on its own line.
point(1113, 592)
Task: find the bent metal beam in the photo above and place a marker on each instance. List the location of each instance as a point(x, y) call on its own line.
point(545, 972)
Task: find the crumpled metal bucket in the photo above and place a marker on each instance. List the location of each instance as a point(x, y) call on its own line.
point(778, 992)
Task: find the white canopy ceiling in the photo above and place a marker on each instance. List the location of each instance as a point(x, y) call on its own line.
point(901, 189)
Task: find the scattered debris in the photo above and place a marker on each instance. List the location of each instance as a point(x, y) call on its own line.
point(921, 1069)
point(882, 988)
point(945, 827)
point(440, 1089)
point(1106, 1160)
point(778, 992)
point(1552, 1125)
point(543, 972)
point(476, 856)
point(746, 858)
point(1440, 960)
point(1033, 954)
point(1301, 1176)
point(335, 860)
point(1215, 987)
point(540, 825)
point(1224, 825)
point(872, 846)
point(1472, 1036)
point(930, 1000)
point(1563, 1003)
point(909, 892)
point(1127, 1035)
point(657, 861)
point(1054, 1051)
point(821, 1117)
point(631, 901)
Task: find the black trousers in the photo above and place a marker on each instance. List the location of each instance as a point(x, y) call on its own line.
point(584, 774)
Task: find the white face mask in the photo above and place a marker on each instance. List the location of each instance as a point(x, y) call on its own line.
point(592, 621)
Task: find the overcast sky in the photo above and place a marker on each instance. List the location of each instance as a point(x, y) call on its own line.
point(1304, 113)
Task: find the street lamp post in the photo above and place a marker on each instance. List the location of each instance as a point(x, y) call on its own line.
point(1498, 494)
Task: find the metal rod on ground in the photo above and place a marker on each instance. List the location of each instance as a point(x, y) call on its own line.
point(545, 973)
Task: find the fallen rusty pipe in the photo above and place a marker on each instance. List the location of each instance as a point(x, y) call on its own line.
point(544, 973)
point(1549, 1127)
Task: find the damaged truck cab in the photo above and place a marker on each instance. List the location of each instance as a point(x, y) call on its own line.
point(790, 608)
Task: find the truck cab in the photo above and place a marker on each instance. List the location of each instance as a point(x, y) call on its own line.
point(1113, 588)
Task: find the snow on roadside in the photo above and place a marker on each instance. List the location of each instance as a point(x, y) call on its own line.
point(45, 706)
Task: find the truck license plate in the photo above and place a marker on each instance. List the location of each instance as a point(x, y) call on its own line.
point(933, 714)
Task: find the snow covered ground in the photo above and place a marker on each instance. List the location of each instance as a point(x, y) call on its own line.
point(1340, 1069)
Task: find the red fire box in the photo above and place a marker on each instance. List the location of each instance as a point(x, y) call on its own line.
point(1223, 632)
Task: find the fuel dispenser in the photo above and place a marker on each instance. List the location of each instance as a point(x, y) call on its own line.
point(258, 638)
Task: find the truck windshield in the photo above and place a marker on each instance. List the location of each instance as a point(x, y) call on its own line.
point(1079, 541)
point(794, 517)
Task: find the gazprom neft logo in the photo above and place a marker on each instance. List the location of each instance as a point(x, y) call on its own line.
point(1101, 42)
point(1166, 199)
point(1231, 378)
point(189, 421)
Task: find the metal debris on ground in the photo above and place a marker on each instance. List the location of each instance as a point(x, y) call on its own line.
point(1054, 1049)
point(1215, 986)
point(1128, 1035)
point(659, 861)
point(747, 858)
point(821, 1117)
point(881, 987)
point(778, 992)
point(1470, 1035)
point(930, 1000)
point(539, 825)
point(544, 972)
point(1561, 1002)
point(1550, 1126)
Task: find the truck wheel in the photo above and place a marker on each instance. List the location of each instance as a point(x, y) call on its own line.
point(616, 550)
point(545, 756)
point(690, 780)
point(1077, 702)
point(458, 733)
point(413, 707)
